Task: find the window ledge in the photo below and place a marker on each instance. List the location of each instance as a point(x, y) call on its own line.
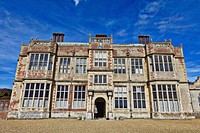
point(100, 84)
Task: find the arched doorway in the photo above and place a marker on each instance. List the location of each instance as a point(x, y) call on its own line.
point(101, 106)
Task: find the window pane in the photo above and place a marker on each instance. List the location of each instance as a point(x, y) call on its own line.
point(80, 65)
point(136, 66)
point(31, 94)
point(37, 86)
point(138, 95)
point(47, 86)
point(47, 94)
point(100, 79)
point(41, 93)
point(79, 97)
point(42, 86)
point(36, 93)
point(96, 79)
point(32, 86)
point(120, 97)
point(27, 86)
point(100, 58)
point(104, 78)
point(167, 98)
point(26, 93)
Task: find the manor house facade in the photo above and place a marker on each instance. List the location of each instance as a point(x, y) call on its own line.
point(57, 79)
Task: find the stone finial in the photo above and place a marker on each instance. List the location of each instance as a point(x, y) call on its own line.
point(165, 40)
point(22, 43)
point(51, 39)
point(37, 38)
point(170, 40)
point(151, 40)
point(31, 38)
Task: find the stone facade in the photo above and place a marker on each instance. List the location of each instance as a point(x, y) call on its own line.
point(56, 79)
point(195, 95)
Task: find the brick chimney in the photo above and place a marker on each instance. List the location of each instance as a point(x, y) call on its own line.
point(101, 35)
point(143, 39)
point(58, 37)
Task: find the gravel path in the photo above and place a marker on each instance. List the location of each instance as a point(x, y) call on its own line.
point(99, 126)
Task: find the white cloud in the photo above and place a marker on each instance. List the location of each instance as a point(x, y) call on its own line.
point(172, 23)
point(76, 2)
point(193, 69)
point(121, 33)
point(147, 13)
point(197, 53)
point(7, 69)
point(109, 23)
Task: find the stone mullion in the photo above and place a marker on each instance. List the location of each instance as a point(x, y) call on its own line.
point(154, 65)
point(48, 61)
point(53, 63)
point(168, 100)
point(70, 97)
point(43, 95)
point(33, 95)
point(158, 104)
point(152, 100)
point(48, 105)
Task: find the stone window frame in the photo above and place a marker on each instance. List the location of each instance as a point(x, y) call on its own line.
point(161, 63)
point(100, 58)
point(62, 99)
point(81, 65)
point(100, 79)
point(139, 98)
point(165, 98)
point(120, 95)
point(119, 66)
point(36, 95)
point(64, 64)
point(137, 66)
point(79, 97)
point(41, 61)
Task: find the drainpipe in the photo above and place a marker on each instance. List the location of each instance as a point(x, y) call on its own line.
point(129, 80)
point(71, 87)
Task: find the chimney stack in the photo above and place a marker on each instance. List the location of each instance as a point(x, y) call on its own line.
point(58, 37)
point(143, 39)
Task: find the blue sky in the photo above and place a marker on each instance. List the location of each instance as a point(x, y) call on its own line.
point(20, 20)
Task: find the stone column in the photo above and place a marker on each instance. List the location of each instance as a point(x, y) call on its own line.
point(109, 99)
point(89, 112)
point(110, 114)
